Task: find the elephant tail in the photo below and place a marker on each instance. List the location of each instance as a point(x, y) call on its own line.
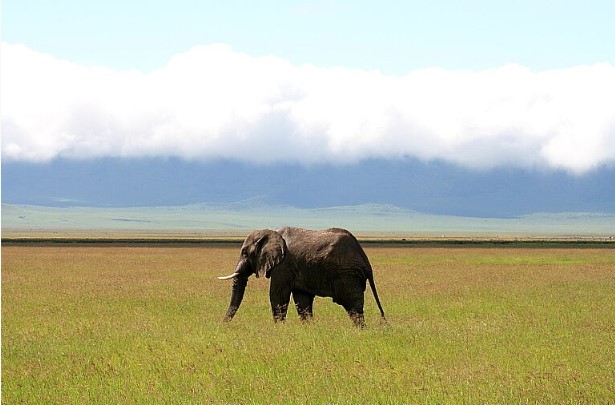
point(375, 292)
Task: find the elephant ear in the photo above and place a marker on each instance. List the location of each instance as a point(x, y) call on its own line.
point(271, 251)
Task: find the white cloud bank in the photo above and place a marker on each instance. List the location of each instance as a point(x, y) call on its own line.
point(212, 102)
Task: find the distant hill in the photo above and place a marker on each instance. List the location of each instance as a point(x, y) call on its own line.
point(246, 215)
point(428, 187)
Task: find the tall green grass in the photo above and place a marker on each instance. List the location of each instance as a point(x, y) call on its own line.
point(142, 325)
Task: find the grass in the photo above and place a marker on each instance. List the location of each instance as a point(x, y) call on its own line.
point(83, 324)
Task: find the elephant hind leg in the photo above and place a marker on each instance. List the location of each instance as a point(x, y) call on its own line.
point(304, 303)
point(357, 317)
point(350, 295)
point(353, 304)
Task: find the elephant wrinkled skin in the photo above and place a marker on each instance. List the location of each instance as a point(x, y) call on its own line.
point(305, 264)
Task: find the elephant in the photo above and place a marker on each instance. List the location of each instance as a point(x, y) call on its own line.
point(305, 264)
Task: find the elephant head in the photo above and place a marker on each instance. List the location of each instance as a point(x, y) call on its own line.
point(261, 251)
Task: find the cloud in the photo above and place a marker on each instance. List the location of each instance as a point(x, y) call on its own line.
point(212, 102)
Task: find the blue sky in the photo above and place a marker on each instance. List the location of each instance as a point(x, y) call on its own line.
point(481, 86)
point(391, 36)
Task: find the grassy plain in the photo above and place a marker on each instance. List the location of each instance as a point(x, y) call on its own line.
point(87, 324)
point(241, 217)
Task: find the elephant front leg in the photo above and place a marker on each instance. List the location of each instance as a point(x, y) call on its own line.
point(279, 297)
point(304, 302)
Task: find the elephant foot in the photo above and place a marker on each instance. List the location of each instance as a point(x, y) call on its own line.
point(306, 318)
point(305, 314)
point(357, 318)
point(279, 313)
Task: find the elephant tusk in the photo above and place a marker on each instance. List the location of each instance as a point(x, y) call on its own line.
point(228, 277)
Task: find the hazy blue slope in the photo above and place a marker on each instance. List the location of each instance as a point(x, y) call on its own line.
point(245, 216)
point(434, 187)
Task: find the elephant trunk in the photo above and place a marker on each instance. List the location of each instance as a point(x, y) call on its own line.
point(239, 287)
point(240, 280)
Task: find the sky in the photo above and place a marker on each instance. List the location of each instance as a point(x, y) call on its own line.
point(479, 84)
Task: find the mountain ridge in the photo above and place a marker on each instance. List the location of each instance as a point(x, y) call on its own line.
point(429, 187)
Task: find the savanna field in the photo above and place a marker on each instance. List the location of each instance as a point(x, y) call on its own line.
point(85, 324)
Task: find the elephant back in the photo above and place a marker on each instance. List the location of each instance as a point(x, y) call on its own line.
point(332, 248)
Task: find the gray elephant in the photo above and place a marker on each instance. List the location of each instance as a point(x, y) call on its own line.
point(306, 264)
